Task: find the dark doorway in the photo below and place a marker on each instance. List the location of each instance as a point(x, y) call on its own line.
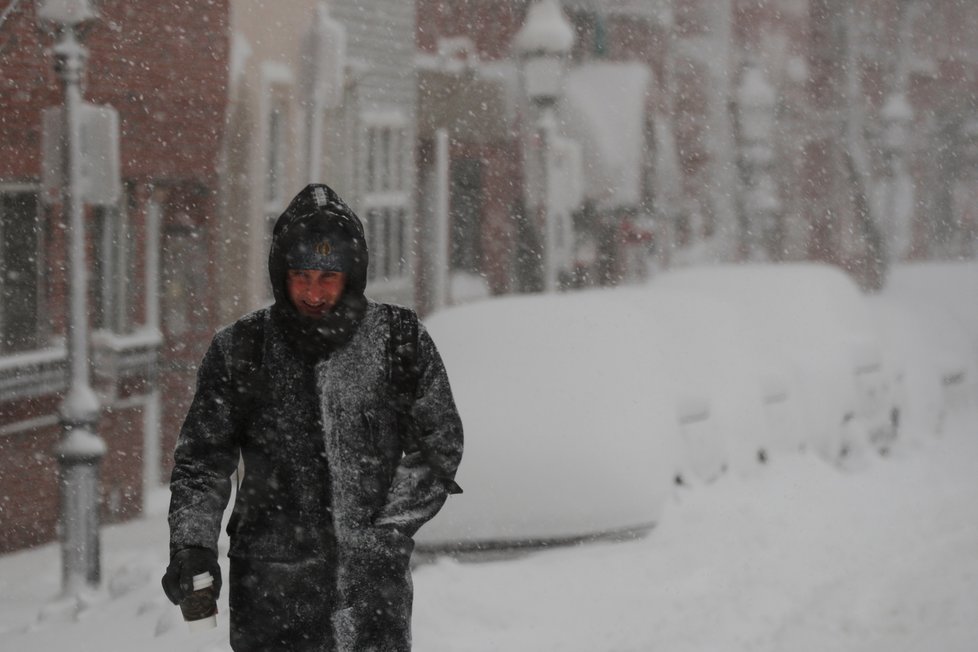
point(466, 214)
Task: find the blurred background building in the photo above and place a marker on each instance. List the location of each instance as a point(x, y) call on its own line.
point(152, 255)
point(491, 147)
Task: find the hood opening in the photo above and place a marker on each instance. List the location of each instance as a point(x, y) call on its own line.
point(315, 211)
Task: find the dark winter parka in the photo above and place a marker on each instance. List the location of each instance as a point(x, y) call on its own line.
point(315, 423)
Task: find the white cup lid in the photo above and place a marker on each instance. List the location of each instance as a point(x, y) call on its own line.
point(203, 580)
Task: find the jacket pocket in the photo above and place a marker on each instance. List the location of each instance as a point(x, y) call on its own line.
point(375, 592)
point(376, 471)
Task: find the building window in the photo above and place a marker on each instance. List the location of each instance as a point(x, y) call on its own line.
point(20, 260)
point(386, 242)
point(385, 196)
point(112, 269)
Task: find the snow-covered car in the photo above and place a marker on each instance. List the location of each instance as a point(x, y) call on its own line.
point(568, 430)
point(820, 343)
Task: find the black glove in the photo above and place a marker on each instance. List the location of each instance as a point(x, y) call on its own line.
point(178, 581)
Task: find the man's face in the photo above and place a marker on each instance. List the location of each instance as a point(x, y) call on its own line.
point(314, 292)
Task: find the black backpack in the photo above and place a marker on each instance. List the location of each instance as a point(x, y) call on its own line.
point(248, 337)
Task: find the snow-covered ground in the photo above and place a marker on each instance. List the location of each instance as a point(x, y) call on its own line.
point(798, 554)
point(802, 557)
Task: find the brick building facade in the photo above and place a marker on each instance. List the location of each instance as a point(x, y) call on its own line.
point(150, 256)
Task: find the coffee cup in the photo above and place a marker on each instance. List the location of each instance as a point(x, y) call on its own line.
point(200, 607)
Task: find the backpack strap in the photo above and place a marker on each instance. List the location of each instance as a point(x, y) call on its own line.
point(403, 358)
point(247, 342)
point(404, 373)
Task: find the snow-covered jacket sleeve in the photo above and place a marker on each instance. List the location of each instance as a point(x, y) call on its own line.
point(205, 456)
point(424, 478)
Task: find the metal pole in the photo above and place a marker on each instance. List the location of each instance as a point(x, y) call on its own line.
point(80, 449)
point(151, 418)
point(316, 136)
point(547, 128)
point(440, 252)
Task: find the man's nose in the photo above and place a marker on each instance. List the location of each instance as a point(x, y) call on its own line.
point(316, 293)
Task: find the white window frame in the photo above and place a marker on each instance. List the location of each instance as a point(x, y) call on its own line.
point(275, 129)
point(277, 82)
point(386, 197)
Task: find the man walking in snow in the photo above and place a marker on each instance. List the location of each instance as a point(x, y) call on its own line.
point(341, 411)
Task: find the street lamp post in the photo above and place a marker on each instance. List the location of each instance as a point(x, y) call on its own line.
point(756, 103)
point(543, 45)
point(80, 449)
point(897, 118)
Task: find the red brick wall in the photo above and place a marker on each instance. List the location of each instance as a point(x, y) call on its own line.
point(121, 469)
point(503, 164)
point(29, 493)
point(28, 476)
point(161, 65)
point(491, 24)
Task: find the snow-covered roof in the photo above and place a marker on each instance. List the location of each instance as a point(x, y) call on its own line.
point(605, 109)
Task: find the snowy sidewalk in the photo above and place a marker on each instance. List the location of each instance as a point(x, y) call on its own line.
point(800, 556)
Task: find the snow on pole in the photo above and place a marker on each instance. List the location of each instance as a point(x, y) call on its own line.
point(80, 449)
point(439, 255)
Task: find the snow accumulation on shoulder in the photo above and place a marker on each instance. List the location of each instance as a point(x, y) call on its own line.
point(582, 410)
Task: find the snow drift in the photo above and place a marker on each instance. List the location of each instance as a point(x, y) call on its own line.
point(582, 410)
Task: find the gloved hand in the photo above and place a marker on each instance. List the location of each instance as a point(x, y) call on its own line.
point(178, 581)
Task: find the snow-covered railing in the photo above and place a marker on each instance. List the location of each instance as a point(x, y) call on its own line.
point(32, 373)
point(118, 356)
point(114, 356)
